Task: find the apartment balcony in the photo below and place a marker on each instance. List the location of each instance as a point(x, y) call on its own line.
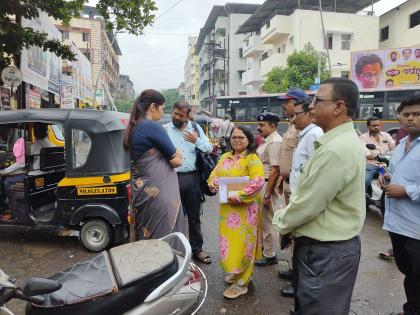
point(251, 47)
point(275, 60)
point(252, 76)
point(275, 29)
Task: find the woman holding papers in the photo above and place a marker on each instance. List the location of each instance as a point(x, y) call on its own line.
point(239, 222)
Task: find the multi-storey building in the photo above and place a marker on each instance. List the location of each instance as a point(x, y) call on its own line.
point(126, 90)
point(88, 33)
point(278, 28)
point(219, 49)
point(400, 27)
point(191, 73)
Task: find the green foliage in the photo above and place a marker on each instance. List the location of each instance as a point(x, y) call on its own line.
point(171, 97)
point(301, 71)
point(124, 105)
point(131, 16)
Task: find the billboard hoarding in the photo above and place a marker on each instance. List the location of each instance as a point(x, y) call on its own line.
point(387, 69)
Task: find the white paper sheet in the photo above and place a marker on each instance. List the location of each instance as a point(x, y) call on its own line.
point(224, 181)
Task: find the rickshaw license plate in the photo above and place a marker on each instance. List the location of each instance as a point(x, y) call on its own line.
point(97, 191)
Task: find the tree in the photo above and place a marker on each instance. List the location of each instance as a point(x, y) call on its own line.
point(171, 96)
point(124, 105)
point(131, 16)
point(301, 71)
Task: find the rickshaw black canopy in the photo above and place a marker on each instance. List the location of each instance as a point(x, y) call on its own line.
point(104, 128)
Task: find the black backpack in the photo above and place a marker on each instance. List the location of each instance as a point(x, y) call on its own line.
point(205, 163)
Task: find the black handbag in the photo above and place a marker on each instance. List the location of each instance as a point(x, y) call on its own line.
point(205, 163)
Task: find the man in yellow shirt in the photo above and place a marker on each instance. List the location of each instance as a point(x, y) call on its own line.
point(326, 211)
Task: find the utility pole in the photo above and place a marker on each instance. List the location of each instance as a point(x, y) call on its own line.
point(325, 39)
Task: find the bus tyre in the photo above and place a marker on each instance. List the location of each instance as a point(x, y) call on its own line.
point(96, 235)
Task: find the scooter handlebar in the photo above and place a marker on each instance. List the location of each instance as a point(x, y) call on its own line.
point(179, 275)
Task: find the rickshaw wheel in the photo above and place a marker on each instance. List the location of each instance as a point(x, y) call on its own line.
point(96, 235)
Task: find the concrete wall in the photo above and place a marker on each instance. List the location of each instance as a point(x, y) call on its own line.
point(235, 62)
point(305, 26)
point(398, 19)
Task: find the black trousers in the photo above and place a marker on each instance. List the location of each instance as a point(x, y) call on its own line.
point(189, 188)
point(407, 258)
point(324, 276)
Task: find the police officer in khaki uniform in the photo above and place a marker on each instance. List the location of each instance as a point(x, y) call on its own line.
point(290, 140)
point(269, 153)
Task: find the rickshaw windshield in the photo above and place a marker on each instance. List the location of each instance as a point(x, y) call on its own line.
point(58, 132)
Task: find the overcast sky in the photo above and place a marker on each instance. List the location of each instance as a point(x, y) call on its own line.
point(156, 59)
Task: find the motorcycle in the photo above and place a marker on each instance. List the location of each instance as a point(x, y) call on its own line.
point(139, 278)
point(371, 202)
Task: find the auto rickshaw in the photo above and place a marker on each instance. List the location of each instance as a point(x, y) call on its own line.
point(82, 183)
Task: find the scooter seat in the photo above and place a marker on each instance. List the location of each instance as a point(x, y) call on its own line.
point(111, 282)
point(140, 260)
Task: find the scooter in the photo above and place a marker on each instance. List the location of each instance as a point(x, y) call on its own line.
point(139, 278)
point(385, 159)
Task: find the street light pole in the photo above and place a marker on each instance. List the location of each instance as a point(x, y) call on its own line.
point(325, 39)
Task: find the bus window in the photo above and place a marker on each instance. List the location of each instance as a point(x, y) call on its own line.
point(276, 106)
point(238, 113)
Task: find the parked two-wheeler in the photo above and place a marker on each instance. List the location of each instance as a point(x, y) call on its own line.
point(139, 278)
point(384, 159)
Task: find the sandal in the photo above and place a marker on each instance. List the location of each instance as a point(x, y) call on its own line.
point(230, 278)
point(387, 255)
point(202, 257)
point(235, 291)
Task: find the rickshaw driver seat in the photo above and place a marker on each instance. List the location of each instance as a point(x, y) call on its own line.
point(51, 159)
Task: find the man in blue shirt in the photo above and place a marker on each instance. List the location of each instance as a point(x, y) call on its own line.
point(402, 203)
point(185, 139)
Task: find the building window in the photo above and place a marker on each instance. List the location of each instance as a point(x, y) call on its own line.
point(415, 19)
point(64, 34)
point(267, 25)
point(241, 53)
point(345, 74)
point(328, 41)
point(85, 37)
point(384, 34)
point(345, 41)
point(264, 55)
point(284, 48)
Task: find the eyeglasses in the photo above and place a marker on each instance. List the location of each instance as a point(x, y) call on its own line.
point(317, 99)
point(415, 114)
point(298, 113)
point(370, 75)
point(238, 138)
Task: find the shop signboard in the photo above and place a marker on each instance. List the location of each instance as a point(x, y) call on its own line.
point(386, 70)
point(4, 98)
point(41, 68)
point(82, 75)
point(34, 99)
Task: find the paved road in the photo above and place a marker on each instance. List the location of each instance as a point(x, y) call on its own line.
point(378, 289)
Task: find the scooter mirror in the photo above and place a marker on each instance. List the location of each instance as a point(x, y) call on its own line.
point(38, 286)
point(371, 146)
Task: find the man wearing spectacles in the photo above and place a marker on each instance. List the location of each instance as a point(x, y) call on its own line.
point(369, 71)
point(402, 203)
point(290, 140)
point(269, 153)
point(327, 209)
